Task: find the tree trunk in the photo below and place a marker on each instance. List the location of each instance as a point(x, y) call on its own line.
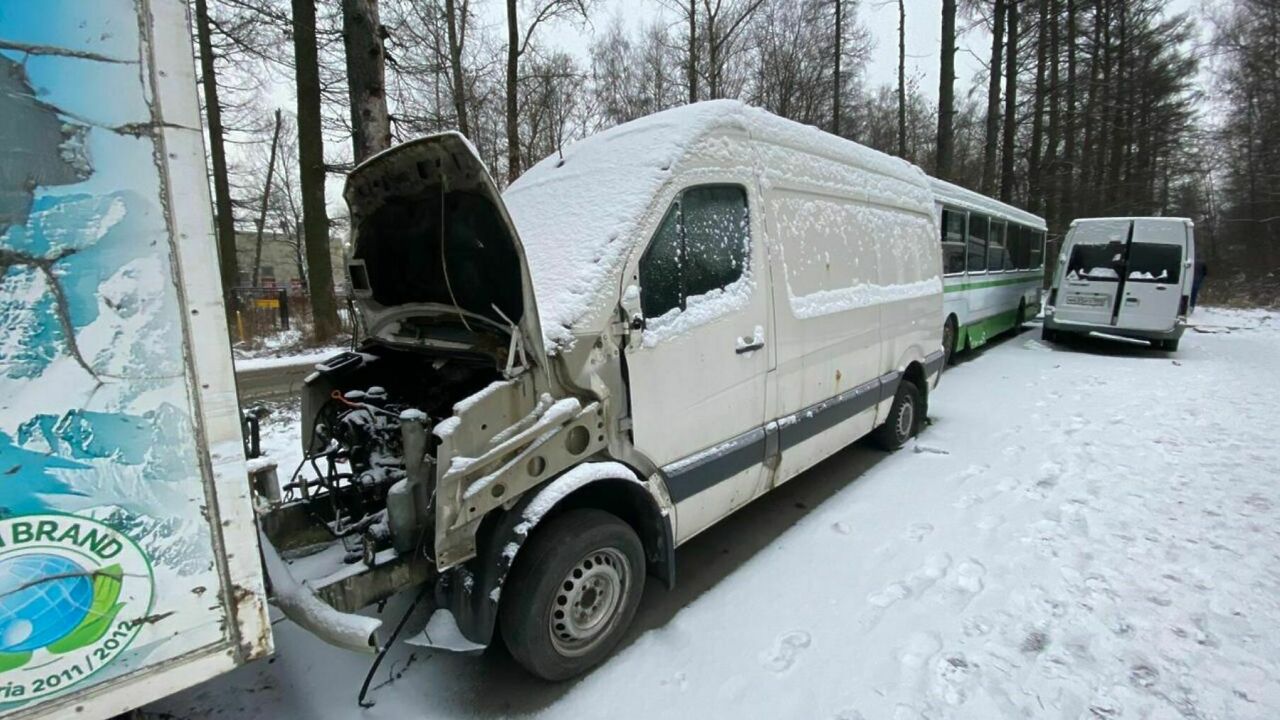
point(836, 84)
point(224, 218)
point(513, 77)
point(311, 171)
point(366, 77)
point(266, 201)
point(989, 150)
point(902, 80)
point(1066, 178)
point(1010, 105)
point(1035, 199)
point(1121, 103)
point(946, 89)
point(457, 41)
point(693, 51)
point(1053, 158)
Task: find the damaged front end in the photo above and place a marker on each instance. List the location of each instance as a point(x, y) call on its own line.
point(440, 421)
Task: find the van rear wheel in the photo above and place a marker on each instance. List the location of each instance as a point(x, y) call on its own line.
point(904, 418)
point(572, 593)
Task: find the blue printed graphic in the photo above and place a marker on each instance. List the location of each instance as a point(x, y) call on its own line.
point(42, 599)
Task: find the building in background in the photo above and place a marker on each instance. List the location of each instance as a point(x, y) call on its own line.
point(283, 263)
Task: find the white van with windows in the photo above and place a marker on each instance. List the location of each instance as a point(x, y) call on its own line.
point(560, 384)
point(1126, 276)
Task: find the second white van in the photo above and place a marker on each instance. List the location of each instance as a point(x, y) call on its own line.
point(1126, 276)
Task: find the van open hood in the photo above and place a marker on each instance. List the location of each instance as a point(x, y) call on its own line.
point(435, 259)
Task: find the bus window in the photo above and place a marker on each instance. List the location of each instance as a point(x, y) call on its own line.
point(1019, 238)
point(953, 241)
point(996, 246)
point(1036, 257)
point(977, 243)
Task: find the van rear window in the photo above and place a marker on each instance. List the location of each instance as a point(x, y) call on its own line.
point(1096, 261)
point(1154, 262)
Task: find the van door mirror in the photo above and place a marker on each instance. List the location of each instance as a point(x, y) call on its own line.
point(631, 312)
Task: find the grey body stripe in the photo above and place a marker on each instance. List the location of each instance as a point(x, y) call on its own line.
point(686, 478)
point(933, 362)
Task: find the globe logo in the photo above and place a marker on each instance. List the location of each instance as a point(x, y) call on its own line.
point(43, 598)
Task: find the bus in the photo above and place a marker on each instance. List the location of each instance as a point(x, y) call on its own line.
point(992, 266)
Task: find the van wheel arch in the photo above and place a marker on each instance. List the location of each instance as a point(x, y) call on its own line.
point(476, 609)
point(914, 374)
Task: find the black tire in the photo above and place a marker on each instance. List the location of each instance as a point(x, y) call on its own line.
point(1049, 335)
point(1021, 319)
point(1170, 345)
point(950, 335)
point(898, 429)
point(560, 567)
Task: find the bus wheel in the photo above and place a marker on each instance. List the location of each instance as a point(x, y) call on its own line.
point(572, 594)
point(904, 418)
point(949, 333)
point(1022, 315)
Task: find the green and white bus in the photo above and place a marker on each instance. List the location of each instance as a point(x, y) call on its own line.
point(992, 265)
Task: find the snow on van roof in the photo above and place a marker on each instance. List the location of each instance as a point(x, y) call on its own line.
point(952, 194)
point(577, 212)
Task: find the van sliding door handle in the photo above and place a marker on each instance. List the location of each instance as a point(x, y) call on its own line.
point(748, 344)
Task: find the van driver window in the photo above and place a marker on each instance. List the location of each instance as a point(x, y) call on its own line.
point(953, 241)
point(702, 245)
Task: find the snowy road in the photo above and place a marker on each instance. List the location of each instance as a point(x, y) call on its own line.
point(1086, 531)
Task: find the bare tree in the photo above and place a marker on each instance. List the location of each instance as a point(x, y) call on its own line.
point(324, 307)
point(902, 79)
point(518, 42)
point(362, 36)
point(994, 67)
point(946, 89)
point(1010, 102)
point(266, 202)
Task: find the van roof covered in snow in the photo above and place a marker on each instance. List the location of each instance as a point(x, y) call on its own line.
point(952, 194)
point(577, 212)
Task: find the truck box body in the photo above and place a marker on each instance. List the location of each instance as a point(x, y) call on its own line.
point(129, 564)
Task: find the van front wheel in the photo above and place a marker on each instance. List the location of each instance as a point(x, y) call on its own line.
point(904, 418)
point(572, 593)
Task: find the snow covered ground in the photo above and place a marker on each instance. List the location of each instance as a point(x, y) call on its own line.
point(1085, 531)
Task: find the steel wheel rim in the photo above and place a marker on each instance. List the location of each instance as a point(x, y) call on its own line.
point(905, 418)
point(589, 602)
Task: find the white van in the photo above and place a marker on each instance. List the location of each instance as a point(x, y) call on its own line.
point(1123, 276)
point(560, 384)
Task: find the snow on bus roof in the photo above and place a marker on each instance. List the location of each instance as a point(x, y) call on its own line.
point(951, 194)
point(577, 211)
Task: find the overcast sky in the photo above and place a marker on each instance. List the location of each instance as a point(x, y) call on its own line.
point(924, 33)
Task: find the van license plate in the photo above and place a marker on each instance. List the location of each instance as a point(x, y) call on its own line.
point(1096, 301)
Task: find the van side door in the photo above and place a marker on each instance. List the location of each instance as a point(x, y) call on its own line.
point(697, 297)
point(1090, 278)
point(1154, 275)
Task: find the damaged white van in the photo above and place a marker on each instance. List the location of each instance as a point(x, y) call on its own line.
point(558, 385)
point(1128, 276)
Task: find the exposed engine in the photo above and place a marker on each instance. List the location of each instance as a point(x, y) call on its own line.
point(369, 467)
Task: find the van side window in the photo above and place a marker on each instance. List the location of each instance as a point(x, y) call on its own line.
point(702, 245)
point(1096, 261)
point(1154, 262)
point(977, 243)
point(953, 241)
point(660, 276)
